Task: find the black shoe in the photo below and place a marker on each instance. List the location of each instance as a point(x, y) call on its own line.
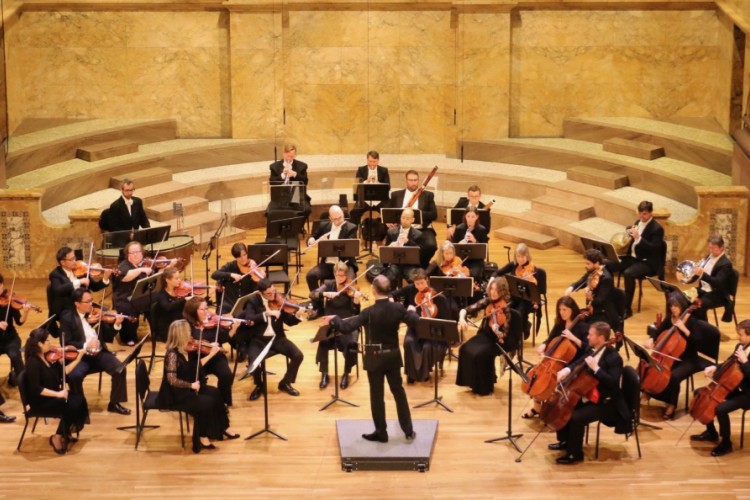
point(557, 446)
point(197, 448)
point(628, 314)
point(323, 380)
point(380, 438)
point(59, 451)
point(409, 380)
point(411, 436)
point(230, 436)
point(287, 387)
point(315, 315)
point(256, 393)
point(117, 408)
point(5, 419)
point(705, 436)
point(569, 459)
point(723, 448)
point(344, 381)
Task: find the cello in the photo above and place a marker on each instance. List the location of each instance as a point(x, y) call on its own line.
point(727, 377)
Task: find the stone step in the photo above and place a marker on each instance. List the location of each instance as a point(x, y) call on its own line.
point(636, 149)
point(598, 177)
point(196, 223)
point(530, 238)
point(104, 150)
point(190, 205)
point(164, 192)
point(143, 178)
point(230, 234)
point(563, 207)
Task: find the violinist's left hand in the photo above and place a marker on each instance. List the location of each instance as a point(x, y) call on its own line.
point(741, 355)
point(119, 320)
point(107, 275)
point(3, 325)
point(592, 363)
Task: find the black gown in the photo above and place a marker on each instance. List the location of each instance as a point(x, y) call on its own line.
point(166, 310)
point(344, 307)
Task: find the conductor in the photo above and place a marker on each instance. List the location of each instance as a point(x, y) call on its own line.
point(382, 356)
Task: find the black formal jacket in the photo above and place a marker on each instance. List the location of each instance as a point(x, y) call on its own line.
point(463, 202)
point(604, 298)
point(71, 329)
point(480, 233)
point(348, 232)
point(648, 248)
point(277, 168)
point(166, 309)
point(61, 289)
point(382, 174)
point(426, 205)
point(720, 278)
point(414, 238)
point(119, 219)
point(254, 311)
point(232, 291)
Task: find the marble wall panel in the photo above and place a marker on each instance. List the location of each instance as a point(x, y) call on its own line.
point(725, 63)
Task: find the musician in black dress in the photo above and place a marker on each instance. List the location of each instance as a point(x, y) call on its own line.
point(343, 304)
point(476, 357)
point(168, 304)
point(736, 400)
point(420, 354)
point(600, 294)
point(10, 342)
point(46, 392)
point(425, 203)
point(269, 320)
point(403, 235)
point(382, 356)
point(471, 231)
point(130, 272)
point(690, 362)
point(605, 403)
point(522, 267)
point(197, 315)
point(714, 276)
point(233, 280)
point(184, 387)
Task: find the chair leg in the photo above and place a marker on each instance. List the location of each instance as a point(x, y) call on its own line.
point(640, 293)
point(637, 440)
point(689, 386)
point(742, 430)
point(100, 381)
point(716, 317)
point(33, 427)
point(182, 432)
point(598, 428)
point(26, 424)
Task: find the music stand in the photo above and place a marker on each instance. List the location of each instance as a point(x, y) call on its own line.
point(134, 354)
point(286, 229)
point(260, 361)
point(509, 436)
point(142, 299)
point(328, 332)
point(370, 192)
point(456, 217)
point(436, 330)
point(524, 290)
point(606, 249)
point(643, 354)
point(471, 251)
point(393, 215)
point(115, 239)
point(343, 249)
point(287, 195)
point(241, 303)
point(453, 287)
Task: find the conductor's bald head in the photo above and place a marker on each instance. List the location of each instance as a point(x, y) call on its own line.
point(381, 286)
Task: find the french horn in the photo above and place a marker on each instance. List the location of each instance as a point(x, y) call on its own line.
point(621, 241)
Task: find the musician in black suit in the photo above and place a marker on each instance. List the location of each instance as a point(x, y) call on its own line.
point(472, 199)
point(404, 235)
point(425, 204)
point(606, 403)
point(76, 329)
point(714, 278)
point(287, 170)
point(643, 256)
point(336, 228)
point(382, 356)
point(126, 213)
point(234, 282)
point(130, 271)
point(10, 342)
point(600, 293)
point(373, 171)
point(736, 400)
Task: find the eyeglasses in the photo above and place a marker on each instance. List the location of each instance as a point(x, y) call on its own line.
point(133, 252)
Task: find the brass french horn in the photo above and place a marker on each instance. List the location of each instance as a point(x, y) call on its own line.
point(621, 241)
point(685, 271)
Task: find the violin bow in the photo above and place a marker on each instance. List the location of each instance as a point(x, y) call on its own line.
point(10, 298)
point(198, 357)
point(218, 321)
point(156, 255)
point(192, 280)
point(432, 298)
point(353, 281)
point(256, 266)
point(88, 264)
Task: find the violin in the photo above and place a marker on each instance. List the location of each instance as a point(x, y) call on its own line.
point(558, 409)
point(196, 288)
point(497, 318)
point(17, 302)
point(253, 269)
point(526, 272)
point(160, 262)
point(727, 377)
point(669, 346)
point(543, 376)
point(213, 320)
point(110, 314)
point(287, 305)
point(455, 268)
point(203, 346)
point(56, 353)
point(94, 270)
point(425, 304)
point(350, 288)
point(592, 281)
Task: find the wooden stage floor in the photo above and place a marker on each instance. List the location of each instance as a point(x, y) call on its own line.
point(104, 465)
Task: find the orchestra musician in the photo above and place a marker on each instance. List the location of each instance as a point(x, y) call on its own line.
point(565, 326)
point(289, 169)
point(336, 228)
point(233, 279)
point(10, 342)
point(447, 263)
point(476, 357)
point(269, 319)
point(382, 356)
point(471, 231)
point(373, 172)
point(44, 384)
point(184, 387)
point(404, 235)
point(402, 198)
point(343, 305)
point(419, 353)
point(126, 213)
point(605, 403)
point(714, 278)
point(77, 329)
point(736, 400)
point(197, 315)
point(600, 294)
point(643, 255)
point(690, 361)
point(473, 199)
point(131, 270)
point(168, 304)
point(521, 267)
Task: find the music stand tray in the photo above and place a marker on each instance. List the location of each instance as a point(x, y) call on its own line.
point(663, 286)
point(115, 239)
point(284, 228)
point(285, 195)
point(453, 287)
point(523, 289)
point(144, 288)
point(343, 249)
point(456, 216)
point(471, 251)
point(607, 250)
point(372, 191)
point(393, 215)
point(399, 255)
point(326, 332)
point(437, 330)
point(241, 303)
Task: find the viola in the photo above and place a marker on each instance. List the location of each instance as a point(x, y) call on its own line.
point(497, 315)
point(425, 304)
point(94, 270)
point(160, 262)
point(455, 268)
point(543, 376)
point(592, 281)
point(526, 272)
point(17, 302)
point(727, 377)
point(558, 409)
point(252, 269)
point(669, 346)
point(56, 353)
point(203, 346)
point(110, 314)
point(350, 288)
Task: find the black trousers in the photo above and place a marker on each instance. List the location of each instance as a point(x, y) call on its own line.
point(281, 345)
point(584, 414)
point(219, 366)
point(208, 411)
point(346, 343)
point(680, 372)
point(735, 401)
point(377, 380)
point(710, 300)
point(631, 269)
point(107, 362)
point(12, 347)
point(74, 412)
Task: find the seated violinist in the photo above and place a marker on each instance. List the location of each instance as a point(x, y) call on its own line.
point(738, 399)
point(447, 263)
point(168, 302)
point(476, 357)
point(420, 354)
point(184, 387)
point(44, 385)
point(207, 332)
point(344, 303)
point(679, 322)
point(471, 231)
point(235, 277)
point(522, 267)
point(604, 403)
point(10, 342)
point(570, 325)
point(77, 329)
point(269, 311)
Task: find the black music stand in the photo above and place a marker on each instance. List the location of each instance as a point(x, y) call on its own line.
point(393, 215)
point(524, 290)
point(371, 192)
point(134, 354)
point(286, 229)
point(142, 299)
point(115, 239)
point(461, 288)
point(607, 250)
point(455, 217)
point(509, 436)
point(343, 249)
point(400, 256)
point(328, 332)
point(664, 287)
point(436, 330)
point(260, 363)
point(290, 195)
point(643, 354)
point(471, 251)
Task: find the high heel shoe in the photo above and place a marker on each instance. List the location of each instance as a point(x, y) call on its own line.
point(231, 436)
point(59, 451)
